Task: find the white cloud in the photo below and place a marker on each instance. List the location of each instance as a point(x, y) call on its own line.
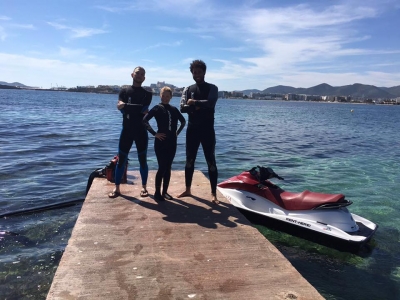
point(300, 18)
point(36, 71)
point(77, 32)
point(207, 37)
point(159, 45)
point(5, 18)
point(177, 7)
point(22, 26)
point(233, 49)
point(67, 52)
point(264, 46)
point(309, 79)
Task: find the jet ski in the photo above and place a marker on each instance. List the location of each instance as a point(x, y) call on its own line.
point(318, 213)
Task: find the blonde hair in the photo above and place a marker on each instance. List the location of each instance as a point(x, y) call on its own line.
point(166, 88)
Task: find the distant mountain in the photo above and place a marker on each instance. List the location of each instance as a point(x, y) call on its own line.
point(395, 90)
point(13, 84)
point(362, 90)
point(248, 92)
point(281, 89)
point(324, 89)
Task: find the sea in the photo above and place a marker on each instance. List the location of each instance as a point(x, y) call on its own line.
point(50, 142)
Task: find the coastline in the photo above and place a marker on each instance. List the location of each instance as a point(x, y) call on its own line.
point(96, 91)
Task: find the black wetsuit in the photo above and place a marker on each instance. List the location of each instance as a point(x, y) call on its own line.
point(200, 129)
point(167, 117)
point(137, 102)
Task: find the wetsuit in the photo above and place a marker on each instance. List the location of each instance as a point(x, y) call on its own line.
point(137, 102)
point(167, 117)
point(200, 129)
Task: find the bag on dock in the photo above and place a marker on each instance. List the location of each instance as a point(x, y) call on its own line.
point(110, 170)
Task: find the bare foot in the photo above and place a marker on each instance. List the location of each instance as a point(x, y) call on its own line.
point(214, 199)
point(184, 194)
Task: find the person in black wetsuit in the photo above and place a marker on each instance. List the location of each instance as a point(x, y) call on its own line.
point(198, 101)
point(165, 141)
point(133, 103)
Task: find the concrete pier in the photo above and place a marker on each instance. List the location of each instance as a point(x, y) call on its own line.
point(189, 248)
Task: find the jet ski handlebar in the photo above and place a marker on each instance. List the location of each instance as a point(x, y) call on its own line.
point(264, 173)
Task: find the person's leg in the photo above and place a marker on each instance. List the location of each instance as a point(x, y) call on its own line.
point(208, 142)
point(125, 144)
point(141, 143)
point(161, 159)
point(170, 154)
point(192, 146)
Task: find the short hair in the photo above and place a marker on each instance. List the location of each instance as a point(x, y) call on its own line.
point(140, 68)
point(198, 64)
point(166, 88)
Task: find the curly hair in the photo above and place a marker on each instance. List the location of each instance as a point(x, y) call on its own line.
point(198, 64)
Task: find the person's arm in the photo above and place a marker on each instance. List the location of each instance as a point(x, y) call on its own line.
point(182, 120)
point(211, 100)
point(146, 104)
point(121, 103)
point(146, 120)
point(184, 107)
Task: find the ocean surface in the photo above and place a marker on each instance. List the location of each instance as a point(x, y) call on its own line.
point(50, 142)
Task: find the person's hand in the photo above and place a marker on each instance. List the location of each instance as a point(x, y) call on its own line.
point(160, 136)
point(120, 104)
point(190, 102)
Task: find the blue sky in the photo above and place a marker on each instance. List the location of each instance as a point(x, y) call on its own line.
point(246, 44)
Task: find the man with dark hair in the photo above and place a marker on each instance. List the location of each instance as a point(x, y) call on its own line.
point(198, 101)
point(133, 103)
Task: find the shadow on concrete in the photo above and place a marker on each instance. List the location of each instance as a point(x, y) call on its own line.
point(181, 211)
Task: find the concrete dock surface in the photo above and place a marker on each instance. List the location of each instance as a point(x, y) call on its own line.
point(189, 248)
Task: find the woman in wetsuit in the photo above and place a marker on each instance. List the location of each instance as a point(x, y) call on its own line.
point(165, 141)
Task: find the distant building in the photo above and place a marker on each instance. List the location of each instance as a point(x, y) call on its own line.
point(59, 88)
point(236, 94)
point(313, 97)
point(223, 94)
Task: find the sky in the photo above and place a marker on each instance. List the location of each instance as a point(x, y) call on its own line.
point(245, 44)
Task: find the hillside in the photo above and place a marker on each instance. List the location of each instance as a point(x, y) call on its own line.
point(354, 90)
point(13, 84)
point(395, 90)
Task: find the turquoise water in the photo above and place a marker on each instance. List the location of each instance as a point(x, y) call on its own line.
point(51, 141)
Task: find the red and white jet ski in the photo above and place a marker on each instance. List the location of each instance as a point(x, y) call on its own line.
point(324, 213)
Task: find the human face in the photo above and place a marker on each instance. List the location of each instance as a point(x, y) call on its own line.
point(138, 76)
point(165, 97)
point(198, 75)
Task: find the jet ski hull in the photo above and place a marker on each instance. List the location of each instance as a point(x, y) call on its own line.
point(337, 223)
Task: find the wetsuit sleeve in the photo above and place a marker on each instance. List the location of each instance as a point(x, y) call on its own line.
point(211, 100)
point(146, 120)
point(147, 101)
point(121, 97)
point(182, 120)
point(184, 107)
